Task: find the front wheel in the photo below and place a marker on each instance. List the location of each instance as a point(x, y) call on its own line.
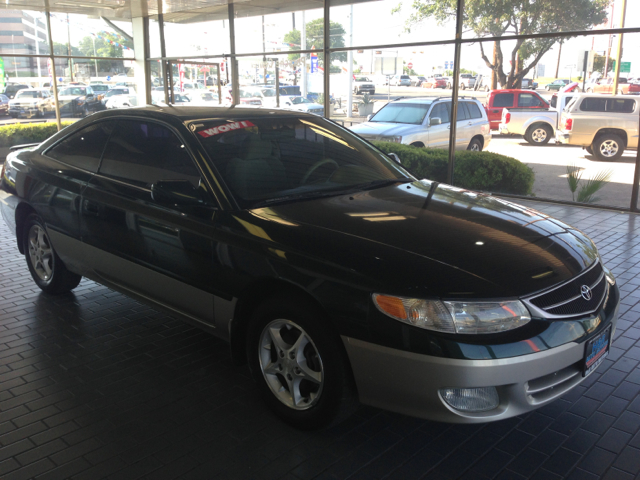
point(462, 86)
point(547, 88)
point(45, 266)
point(608, 147)
point(298, 364)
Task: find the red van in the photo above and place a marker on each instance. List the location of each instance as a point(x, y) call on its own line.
point(497, 100)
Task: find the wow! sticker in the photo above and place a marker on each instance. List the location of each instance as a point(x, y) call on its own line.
point(227, 127)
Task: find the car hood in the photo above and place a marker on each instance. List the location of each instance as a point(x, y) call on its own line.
point(428, 239)
point(368, 129)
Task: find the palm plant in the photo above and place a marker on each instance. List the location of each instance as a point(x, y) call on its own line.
point(587, 191)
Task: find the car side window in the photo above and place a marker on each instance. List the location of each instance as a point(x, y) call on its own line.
point(142, 153)
point(84, 148)
point(474, 111)
point(462, 112)
point(528, 100)
point(441, 110)
point(593, 104)
point(503, 100)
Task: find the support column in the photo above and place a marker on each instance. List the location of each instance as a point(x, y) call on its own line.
point(233, 64)
point(141, 50)
point(456, 86)
point(327, 59)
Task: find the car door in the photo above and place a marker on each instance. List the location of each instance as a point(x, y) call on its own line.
point(140, 242)
point(75, 160)
point(439, 134)
point(531, 101)
point(463, 127)
point(500, 102)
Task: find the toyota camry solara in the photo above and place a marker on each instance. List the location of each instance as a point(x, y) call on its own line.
point(330, 269)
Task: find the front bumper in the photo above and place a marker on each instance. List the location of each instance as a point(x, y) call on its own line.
point(23, 110)
point(409, 383)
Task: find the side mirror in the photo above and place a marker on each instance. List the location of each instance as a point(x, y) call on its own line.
point(175, 193)
point(369, 117)
point(395, 158)
point(435, 121)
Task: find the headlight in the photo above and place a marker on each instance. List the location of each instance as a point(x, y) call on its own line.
point(608, 275)
point(395, 138)
point(455, 317)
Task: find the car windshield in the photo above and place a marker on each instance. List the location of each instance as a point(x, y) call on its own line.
point(299, 100)
point(28, 94)
point(73, 91)
point(362, 79)
point(413, 113)
point(100, 88)
point(272, 160)
point(178, 97)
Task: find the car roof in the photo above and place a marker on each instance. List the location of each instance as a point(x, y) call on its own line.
point(414, 100)
point(190, 113)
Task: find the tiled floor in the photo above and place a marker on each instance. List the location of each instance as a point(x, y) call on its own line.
point(95, 385)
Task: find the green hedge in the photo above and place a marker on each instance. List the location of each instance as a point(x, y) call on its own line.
point(485, 171)
point(19, 133)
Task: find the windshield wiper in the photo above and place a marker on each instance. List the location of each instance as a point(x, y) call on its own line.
point(382, 183)
point(304, 196)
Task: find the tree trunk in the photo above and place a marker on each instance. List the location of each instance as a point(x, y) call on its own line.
point(494, 77)
point(558, 64)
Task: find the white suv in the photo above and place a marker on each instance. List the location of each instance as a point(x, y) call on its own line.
point(425, 122)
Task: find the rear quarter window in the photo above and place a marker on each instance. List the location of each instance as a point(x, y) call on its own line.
point(503, 100)
point(619, 105)
point(474, 111)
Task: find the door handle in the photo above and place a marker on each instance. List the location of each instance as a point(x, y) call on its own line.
point(90, 208)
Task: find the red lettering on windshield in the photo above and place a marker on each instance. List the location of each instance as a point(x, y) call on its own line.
point(209, 132)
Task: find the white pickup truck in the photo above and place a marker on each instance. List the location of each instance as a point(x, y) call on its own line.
point(537, 126)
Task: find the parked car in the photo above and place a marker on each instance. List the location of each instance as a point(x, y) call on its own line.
point(528, 84)
point(302, 104)
point(416, 80)
point(118, 91)
point(467, 81)
point(400, 80)
point(537, 126)
point(425, 122)
point(557, 84)
point(604, 125)
point(434, 82)
point(363, 84)
point(157, 98)
point(497, 100)
point(31, 102)
point(331, 270)
point(122, 101)
point(4, 104)
point(12, 88)
point(78, 100)
point(605, 85)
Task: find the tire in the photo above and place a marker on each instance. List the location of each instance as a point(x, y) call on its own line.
point(486, 89)
point(290, 347)
point(608, 147)
point(355, 91)
point(449, 86)
point(547, 88)
point(589, 90)
point(85, 112)
point(589, 150)
point(462, 87)
point(475, 145)
point(45, 266)
point(538, 134)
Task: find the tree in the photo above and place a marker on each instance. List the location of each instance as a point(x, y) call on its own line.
point(599, 62)
point(315, 38)
point(491, 18)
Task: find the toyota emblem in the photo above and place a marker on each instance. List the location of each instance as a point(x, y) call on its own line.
point(586, 292)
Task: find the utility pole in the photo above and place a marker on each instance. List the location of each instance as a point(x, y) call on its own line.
point(619, 54)
point(69, 49)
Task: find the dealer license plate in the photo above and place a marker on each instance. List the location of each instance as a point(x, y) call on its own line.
point(596, 351)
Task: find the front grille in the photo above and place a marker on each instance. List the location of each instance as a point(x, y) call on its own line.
point(567, 300)
point(548, 387)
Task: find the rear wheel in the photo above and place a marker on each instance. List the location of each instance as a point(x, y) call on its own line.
point(547, 88)
point(538, 134)
point(298, 364)
point(608, 147)
point(475, 145)
point(589, 150)
point(45, 266)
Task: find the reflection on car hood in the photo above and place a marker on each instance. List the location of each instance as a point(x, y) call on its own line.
point(430, 239)
point(373, 129)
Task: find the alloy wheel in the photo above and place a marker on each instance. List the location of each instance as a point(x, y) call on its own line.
point(539, 135)
point(40, 253)
point(291, 364)
point(609, 148)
